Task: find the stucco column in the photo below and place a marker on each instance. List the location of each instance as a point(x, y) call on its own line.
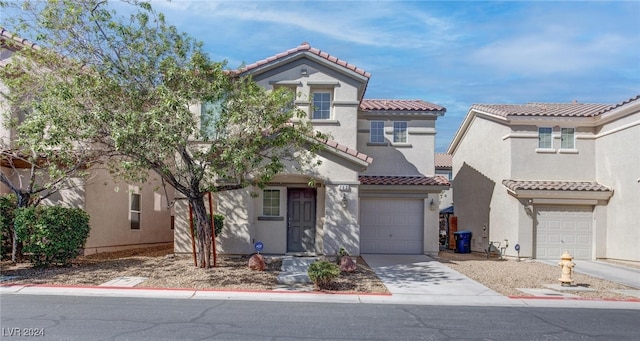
point(341, 227)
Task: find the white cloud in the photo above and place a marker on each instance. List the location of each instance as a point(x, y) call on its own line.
point(377, 24)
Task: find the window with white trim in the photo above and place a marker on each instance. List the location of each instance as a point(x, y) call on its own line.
point(376, 132)
point(271, 202)
point(399, 132)
point(545, 137)
point(134, 211)
point(321, 105)
point(567, 138)
point(209, 117)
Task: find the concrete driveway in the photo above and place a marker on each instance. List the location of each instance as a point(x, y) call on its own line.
point(420, 278)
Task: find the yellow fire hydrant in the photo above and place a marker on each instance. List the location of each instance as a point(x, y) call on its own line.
point(567, 269)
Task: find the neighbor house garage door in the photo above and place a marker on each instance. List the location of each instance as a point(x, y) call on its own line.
point(563, 228)
point(392, 226)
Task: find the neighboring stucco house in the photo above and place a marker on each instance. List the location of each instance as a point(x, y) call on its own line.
point(444, 164)
point(123, 216)
point(551, 177)
point(376, 189)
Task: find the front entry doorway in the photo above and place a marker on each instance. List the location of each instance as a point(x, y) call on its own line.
point(301, 220)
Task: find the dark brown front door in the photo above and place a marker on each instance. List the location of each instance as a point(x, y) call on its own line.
point(301, 217)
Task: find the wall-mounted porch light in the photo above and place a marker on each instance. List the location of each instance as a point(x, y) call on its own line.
point(432, 205)
point(345, 200)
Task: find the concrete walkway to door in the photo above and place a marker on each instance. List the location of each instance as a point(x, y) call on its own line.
point(419, 279)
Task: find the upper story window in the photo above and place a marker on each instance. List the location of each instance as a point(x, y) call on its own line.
point(446, 173)
point(567, 138)
point(271, 202)
point(545, 138)
point(209, 116)
point(399, 132)
point(376, 133)
point(321, 105)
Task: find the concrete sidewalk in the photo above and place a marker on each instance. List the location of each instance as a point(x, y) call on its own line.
point(411, 279)
point(604, 270)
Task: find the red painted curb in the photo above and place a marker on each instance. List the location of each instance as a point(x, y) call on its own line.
point(635, 300)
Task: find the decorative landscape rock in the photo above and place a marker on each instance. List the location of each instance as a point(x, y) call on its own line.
point(256, 262)
point(347, 264)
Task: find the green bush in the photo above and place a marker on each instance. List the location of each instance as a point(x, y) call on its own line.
point(8, 204)
point(322, 273)
point(218, 223)
point(52, 235)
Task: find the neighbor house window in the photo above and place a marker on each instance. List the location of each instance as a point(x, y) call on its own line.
point(271, 202)
point(134, 212)
point(545, 139)
point(376, 133)
point(209, 116)
point(321, 105)
point(567, 138)
point(399, 132)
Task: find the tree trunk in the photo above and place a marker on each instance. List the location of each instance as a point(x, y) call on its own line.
point(16, 245)
point(203, 228)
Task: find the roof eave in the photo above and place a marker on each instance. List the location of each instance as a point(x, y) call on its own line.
point(556, 194)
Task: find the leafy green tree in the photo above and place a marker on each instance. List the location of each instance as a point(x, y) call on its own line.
point(36, 165)
point(127, 86)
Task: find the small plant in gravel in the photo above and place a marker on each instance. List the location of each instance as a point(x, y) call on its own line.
point(322, 273)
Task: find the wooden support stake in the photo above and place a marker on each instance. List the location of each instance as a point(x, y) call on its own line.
point(213, 234)
point(193, 238)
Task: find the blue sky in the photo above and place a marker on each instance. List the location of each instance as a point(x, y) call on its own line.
point(451, 53)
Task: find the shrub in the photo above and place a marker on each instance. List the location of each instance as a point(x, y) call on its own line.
point(218, 223)
point(8, 204)
point(322, 273)
point(52, 235)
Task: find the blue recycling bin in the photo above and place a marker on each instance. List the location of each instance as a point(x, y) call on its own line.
point(463, 241)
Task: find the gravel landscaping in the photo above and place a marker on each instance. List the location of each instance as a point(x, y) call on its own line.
point(163, 269)
point(506, 276)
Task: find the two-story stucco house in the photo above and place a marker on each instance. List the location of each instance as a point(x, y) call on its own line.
point(123, 216)
point(376, 189)
point(551, 177)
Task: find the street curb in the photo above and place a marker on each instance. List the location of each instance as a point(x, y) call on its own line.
point(217, 290)
point(634, 300)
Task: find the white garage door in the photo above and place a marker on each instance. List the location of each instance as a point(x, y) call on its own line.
point(563, 228)
point(391, 226)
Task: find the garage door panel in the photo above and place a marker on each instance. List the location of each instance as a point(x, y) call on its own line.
point(563, 228)
point(393, 226)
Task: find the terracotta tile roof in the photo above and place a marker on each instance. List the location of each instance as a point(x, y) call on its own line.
point(306, 48)
point(587, 186)
point(350, 151)
point(543, 109)
point(443, 160)
point(403, 180)
point(6, 35)
point(398, 105)
point(625, 102)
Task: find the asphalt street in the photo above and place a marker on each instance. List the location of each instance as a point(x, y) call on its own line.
point(119, 318)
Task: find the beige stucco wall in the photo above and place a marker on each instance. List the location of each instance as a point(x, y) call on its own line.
point(336, 226)
point(342, 125)
point(528, 162)
point(480, 163)
point(416, 157)
point(618, 166)
point(108, 203)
